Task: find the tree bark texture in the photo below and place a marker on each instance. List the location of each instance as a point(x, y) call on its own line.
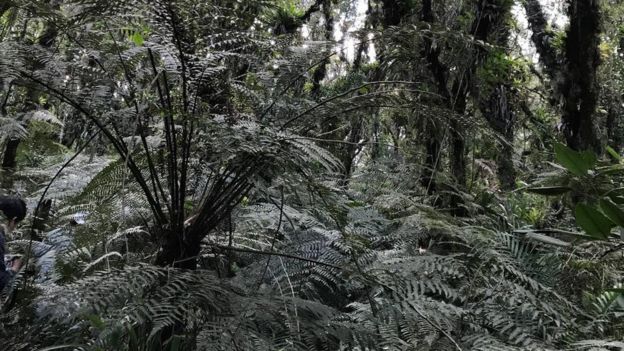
point(579, 88)
point(575, 79)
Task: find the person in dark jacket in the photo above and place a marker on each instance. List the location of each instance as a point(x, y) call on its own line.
point(14, 211)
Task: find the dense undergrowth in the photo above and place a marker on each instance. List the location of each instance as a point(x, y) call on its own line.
point(204, 177)
point(369, 269)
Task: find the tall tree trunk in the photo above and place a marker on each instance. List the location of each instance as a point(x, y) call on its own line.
point(577, 85)
point(439, 71)
point(579, 88)
point(457, 96)
point(496, 107)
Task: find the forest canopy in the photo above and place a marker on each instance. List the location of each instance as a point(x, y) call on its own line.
point(312, 175)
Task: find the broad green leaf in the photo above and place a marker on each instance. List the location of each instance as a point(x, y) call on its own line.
point(593, 222)
point(613, 153)
point(589, 158)
point(549, 190)
point(613, 211)
point(578, 163)
point(137, 38)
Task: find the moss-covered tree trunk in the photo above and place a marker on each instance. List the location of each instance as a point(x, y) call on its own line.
point(574, 73)
point(439, 73)
point(579, 87)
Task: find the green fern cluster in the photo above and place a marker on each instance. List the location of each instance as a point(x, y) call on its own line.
point(222, 155)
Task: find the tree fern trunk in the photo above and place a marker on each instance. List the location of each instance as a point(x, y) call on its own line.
point(177, 252)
